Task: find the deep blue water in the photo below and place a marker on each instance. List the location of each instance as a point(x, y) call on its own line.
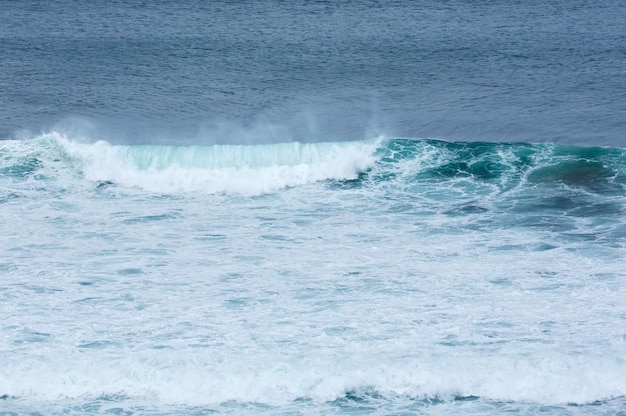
point(204, 71)
point(312, 208)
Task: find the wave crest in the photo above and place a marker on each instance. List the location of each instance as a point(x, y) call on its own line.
point(247, 170)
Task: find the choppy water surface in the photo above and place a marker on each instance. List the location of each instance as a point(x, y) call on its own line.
point(306, 208)
point(385, 276)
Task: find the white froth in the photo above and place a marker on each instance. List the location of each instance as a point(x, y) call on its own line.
point(300, 298)
point(230, 169)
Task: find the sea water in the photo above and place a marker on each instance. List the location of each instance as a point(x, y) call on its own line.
point(312, 208)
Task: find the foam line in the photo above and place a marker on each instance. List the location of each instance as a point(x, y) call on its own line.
point(232, 169)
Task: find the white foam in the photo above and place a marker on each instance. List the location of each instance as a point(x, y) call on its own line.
point(266, 301)
point(196, 379)
point(232, 169)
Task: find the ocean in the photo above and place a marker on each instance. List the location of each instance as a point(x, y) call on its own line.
point(312, 208)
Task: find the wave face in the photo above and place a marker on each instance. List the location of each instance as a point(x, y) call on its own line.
point(482, 168)
point(508, 179)
point(383, 276)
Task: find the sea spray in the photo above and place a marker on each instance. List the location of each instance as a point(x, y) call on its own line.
point(236, 169)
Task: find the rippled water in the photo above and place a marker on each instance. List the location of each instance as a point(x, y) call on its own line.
point(268, 71)
point(275, 208)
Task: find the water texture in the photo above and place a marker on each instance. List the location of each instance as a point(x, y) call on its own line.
point(312, 208)
point(272, 71)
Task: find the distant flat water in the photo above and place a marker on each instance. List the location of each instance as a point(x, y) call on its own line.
point(267, 71)
point(312, 208)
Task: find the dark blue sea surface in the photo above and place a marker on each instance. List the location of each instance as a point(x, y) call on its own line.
point(312, 208)
point(268, 71)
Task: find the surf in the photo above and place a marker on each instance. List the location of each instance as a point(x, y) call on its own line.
point(402, 165)
point(246, 170)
